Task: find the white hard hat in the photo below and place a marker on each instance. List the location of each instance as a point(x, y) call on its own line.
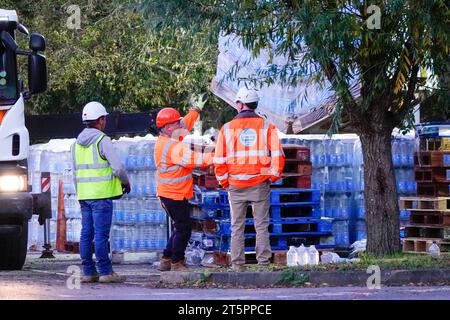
point(245, 95)
point(93, 110)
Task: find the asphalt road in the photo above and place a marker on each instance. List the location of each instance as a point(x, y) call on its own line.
point(50, 280)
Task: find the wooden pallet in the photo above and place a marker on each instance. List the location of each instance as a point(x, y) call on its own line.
point(428, 232)
point(431, 175)
point(432, 158)
point(433, 189)
point(434, 144)
point(424, 203)
point(430, 218)
point(421, 245)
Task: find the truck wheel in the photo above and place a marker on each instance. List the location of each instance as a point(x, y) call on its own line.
point(13, 250)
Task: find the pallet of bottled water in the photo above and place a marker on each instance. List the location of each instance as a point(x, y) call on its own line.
point(139, 221)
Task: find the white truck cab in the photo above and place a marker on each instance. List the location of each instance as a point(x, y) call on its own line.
point(16, 203)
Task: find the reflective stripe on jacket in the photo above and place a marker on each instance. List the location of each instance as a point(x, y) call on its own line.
point(248, 152)
point(93, 175)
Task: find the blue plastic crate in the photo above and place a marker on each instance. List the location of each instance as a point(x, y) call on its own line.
point(405, 214)
point(282, 227)
point(302, 210)
point(446, 159)
point(282, 196)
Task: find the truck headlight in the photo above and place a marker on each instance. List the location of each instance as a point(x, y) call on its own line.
point(13, 183)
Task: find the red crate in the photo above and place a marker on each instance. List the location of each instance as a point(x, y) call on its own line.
point(301, 182)
point(300, 167)
point(297, 153)
point(206, 180)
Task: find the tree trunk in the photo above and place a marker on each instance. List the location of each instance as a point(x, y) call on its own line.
point(381, 201)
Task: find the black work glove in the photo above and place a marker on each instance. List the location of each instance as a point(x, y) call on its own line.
point(126, 188)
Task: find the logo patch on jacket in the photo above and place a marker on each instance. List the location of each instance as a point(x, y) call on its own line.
point(248, 137)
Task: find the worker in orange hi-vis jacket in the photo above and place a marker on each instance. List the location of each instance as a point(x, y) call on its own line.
point(174, 163)
point(248, 157)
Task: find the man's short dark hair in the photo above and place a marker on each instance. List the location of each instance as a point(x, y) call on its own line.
point(252, 105)
point(92, 123)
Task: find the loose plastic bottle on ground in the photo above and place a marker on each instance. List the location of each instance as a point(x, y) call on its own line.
point(291, 257)
point(313, 255)
point(302, 256)
point(434, 250)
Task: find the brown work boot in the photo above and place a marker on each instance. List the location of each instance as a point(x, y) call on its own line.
point(112, 278)
point(165, 264)
point(90, 279)
point(179, 266)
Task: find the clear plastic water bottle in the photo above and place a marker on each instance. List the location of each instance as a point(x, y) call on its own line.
point(129, 242)
point(131, 162)
point(411, 149)
point(360, 205)
point(340, 153)
point(162, 236)
point(320, 154)
point(361, 230)
point(291, 256)
point(132, 215)
point(330, 179)
point(330, 150)
point(349, 150)
point(77, 233)
point(344, 207)
point(405, 151)
point(396, 156)
point(328, 206)
point(411, 182)
point(400, 176)
point(313, 255)
point(349, 186)
point(434, 250)
point(302, 256)
point(341, 181)
point(335, 206)
point(119, 237)
point(69, 230)
point(67, 210)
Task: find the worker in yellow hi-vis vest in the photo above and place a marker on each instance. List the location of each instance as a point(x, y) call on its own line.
point(99, 177)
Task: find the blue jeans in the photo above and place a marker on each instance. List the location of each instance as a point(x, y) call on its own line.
point(96, 218)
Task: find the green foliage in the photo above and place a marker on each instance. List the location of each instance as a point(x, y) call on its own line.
point(291, 277)
point(331, 41)
point(114, 58)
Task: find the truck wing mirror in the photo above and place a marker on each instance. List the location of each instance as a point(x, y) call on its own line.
point(37, 42)
point(37, 73)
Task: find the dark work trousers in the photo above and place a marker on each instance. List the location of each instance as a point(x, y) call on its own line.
point(179, 213)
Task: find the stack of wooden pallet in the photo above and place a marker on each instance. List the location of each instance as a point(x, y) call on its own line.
point(430, 211)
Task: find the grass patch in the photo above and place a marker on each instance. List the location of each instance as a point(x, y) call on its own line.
point(291, 277)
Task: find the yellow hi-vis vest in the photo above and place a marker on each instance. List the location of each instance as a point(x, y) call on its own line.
point(94, 175)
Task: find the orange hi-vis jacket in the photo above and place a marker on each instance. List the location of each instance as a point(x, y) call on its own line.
point(248, 152)
point(175, 161)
